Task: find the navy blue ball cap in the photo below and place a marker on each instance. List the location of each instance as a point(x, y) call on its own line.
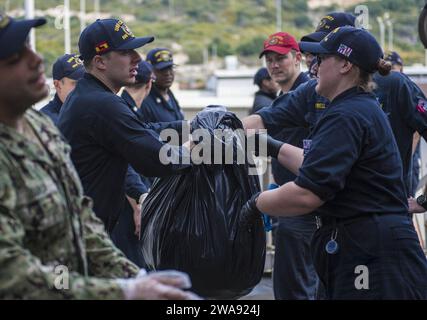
point(260, 75)
point(328, 23)
point(145, 72)
point(68, 66)
point(353, 44)
point(105, 35)
point(160, 58)
point(14, 34)
point(394, 58)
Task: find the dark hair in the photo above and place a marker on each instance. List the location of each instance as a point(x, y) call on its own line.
point(138, 85)
point(365, 78)
point(141, 80)
point(365, 81)
point(87, 63)
point(384, 67)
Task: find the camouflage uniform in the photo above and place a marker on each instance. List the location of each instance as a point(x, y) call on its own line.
point(45, 221)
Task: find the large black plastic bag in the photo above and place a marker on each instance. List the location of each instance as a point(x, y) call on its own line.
point(190, 222)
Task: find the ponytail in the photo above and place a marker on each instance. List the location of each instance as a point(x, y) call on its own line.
point(383, 67)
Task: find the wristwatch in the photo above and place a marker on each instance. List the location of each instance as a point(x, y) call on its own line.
point(422, 201)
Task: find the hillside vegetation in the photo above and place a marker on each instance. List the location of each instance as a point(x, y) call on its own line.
point(224, 27)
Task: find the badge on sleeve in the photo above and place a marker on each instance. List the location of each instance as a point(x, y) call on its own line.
point(306, 143)
point(422, 106)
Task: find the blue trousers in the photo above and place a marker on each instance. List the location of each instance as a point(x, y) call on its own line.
point(123, 236)
point(294, 275)
point(379, 257)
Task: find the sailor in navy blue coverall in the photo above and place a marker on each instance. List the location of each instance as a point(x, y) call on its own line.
point(294, 276)
point(268, 89)
point(350, 172)
point(105, 135)
point(401, 99)
point(161, 104)
point(66, 71)
point(126, 233)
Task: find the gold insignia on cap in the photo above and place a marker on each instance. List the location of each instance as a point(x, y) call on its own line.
point(163, 56)
point(334, 31)
point(324, 23)
point(75, 61)
point(120, 25)
point(321, 25)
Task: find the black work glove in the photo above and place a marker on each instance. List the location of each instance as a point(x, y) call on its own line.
point(273, 145)
point(249, 213)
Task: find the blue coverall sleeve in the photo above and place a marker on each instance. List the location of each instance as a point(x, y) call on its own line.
point(413, 104)
point(134, 185)
point(159, 126)
point(335, 147)
point(287, 111)
point(135, 141)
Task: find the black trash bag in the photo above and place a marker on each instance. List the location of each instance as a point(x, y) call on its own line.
point(190, 222)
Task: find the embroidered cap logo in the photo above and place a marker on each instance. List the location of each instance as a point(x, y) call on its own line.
point(75, 61)
point(163, 56)
point(102, 47)
point(334, 31)
point(120, 25)
point(323, 24)
point(344, 50)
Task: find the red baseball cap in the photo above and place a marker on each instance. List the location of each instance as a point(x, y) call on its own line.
point(281, 43)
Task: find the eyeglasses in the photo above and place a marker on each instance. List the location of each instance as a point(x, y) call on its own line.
point(322, 57)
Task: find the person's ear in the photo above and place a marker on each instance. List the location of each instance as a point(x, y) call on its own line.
point(57, 85)
point(346, 66)
point(99, 62)
point(298, 58)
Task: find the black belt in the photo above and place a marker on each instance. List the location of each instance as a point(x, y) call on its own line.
point(330, 221)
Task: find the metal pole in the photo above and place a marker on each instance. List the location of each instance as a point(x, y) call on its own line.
point(82, 15)
point(214, 52)
point(97, 8)
point(278, 15)
point(382, 32)
point(29, 14)
point(205, 57)
point(171, 9)
point(390, 35)
point(67, 35)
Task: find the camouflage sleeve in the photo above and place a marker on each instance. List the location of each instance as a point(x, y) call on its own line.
point(24, 276)
point(104, 259)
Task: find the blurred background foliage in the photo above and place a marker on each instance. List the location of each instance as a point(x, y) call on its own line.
point(221, 27)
